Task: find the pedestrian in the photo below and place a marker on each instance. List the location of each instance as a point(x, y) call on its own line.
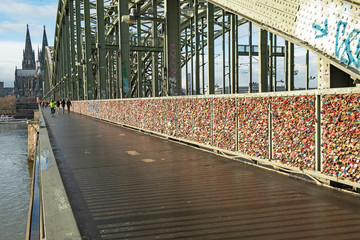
point(63, 105)
point(42, 104)
point(58, 106)
point(68, 104)
point(52, 107)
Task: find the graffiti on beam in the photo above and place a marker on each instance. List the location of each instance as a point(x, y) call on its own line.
point(343, 47)
point(347, 45)
point(125, 81)
point(172, 70)
point(322, 30)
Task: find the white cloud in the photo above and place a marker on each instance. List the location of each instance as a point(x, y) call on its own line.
point(20, 10)
point(10, 27)
point(11, 52)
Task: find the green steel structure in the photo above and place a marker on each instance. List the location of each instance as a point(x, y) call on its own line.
point(107, 49)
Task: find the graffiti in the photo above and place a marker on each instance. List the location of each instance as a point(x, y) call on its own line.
point(172, 86)
point(125, 82)
point(324, 31)
point(173, 57)
point(347, 56)
point(172, 70)
point(337, 47)
point(126, 87)
point(124, 70)
point(343, 42)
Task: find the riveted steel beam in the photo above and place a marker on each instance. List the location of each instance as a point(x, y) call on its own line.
point(72, 73)
point(100, 24)
point(124, 52)
point(210, 49)
point(263, 61)
point(172, 47)
point(89, 83)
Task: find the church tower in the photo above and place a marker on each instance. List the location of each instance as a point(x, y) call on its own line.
point(41, 53)
point(28, 80)
point(28, 62)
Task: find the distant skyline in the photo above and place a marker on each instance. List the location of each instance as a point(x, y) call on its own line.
point(14, 16)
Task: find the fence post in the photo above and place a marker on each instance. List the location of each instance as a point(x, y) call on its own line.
point(270, 125)
point(318, 165)
point(237, 124)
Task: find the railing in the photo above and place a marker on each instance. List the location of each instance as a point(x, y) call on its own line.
point(6, 118)
point(50, 213)
point(314, 132)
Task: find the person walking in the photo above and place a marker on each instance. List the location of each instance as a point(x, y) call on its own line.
point(57, 106)
point(52, 107)
point(63, 105)
point(68, 104)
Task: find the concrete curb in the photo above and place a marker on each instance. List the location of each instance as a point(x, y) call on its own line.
point(58, 221)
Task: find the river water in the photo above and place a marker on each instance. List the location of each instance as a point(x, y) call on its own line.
point(15, 181)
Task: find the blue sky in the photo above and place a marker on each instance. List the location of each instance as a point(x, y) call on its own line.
point(14, 16)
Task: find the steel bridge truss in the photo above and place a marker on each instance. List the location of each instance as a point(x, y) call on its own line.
point(107, 49)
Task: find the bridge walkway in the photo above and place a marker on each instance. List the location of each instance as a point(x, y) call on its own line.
point(124, 184)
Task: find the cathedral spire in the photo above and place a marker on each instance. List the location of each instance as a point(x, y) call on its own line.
point(28, 62)
point(41, 53)
point(44, 42)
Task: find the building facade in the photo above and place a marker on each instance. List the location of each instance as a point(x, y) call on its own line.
point(4, 91)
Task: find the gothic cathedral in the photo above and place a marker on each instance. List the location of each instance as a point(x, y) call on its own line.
point(29, 79)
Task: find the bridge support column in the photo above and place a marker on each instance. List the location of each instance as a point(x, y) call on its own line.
point(187, 78)
point(271, 63)
point(124, 54)
point(289, 66)
point(250, 58)
point(139, 63)
point(323, 74)
point(74, 86)
point(63, 85)
point(234, 53)
point(210, 49)
point(172, 47)
point(263, 61)
point(307, 73)
point(79, 68)
point(155, 58)
point(223, 52)
point(197, 46)
point(275, 65)
point(89, 84)
point(192, 89)
point(67, 55)
point(101, 48)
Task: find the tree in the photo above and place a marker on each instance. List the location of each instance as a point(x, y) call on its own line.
point(8, 105)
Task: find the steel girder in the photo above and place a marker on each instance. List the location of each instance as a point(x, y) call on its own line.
point(81, 41)
point(98, 56)
point(89, 54)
